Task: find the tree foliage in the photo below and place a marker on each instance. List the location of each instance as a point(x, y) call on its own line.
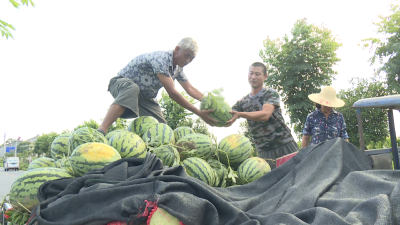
point(299, 64)
point(91, 123)
point(120, 123)
point(374, 121)
point(4, 26)
point(23, 146)
point(43, 143)
point(172, 111)
point(387, 48)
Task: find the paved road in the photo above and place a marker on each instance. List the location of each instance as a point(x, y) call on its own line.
point(6, 180)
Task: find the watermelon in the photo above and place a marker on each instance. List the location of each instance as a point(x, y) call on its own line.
point(59, 147)
point(109, 135)
point(159, 134)
point(236, 147)
point(200, 169)
point(220, 170)
point(58, 163)
point(141, 124)
point(168, 155)
point(128, 144)
point(64, 164)
point(162, 217)
point(41, 163)
point(84, 135)
point(214, 100)
point(24, 189)
point(182, 131)
point(92, 155)
point(195, 145)
point(252, 169)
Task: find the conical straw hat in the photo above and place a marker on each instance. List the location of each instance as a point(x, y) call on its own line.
point(327, 97)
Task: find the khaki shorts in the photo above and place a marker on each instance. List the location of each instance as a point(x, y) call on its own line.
point(127, 94)
point(277, 152)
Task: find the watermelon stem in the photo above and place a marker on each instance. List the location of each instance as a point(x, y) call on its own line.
point(23, 207)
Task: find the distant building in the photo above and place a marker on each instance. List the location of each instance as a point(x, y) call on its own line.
point(11, 146)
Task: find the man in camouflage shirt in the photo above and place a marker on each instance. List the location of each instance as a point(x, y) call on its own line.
point(261, 108)
point(137, 84)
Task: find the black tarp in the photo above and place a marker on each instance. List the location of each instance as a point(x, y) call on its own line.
point(329, 183)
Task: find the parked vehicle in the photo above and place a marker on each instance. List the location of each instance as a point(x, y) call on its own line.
point(11, 163)
point(387, 158)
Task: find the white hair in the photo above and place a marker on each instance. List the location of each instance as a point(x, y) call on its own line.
point(189, 43)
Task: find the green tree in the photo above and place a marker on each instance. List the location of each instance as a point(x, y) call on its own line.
point(91, 123)
point(43, 143)
point(299, 65)
point(374, 121)
point(120, 124)
point(172, 111)
point(4, 26)
point(23, 146)
point(387, 47)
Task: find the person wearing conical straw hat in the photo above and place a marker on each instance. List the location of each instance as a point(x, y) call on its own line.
point(324, 123)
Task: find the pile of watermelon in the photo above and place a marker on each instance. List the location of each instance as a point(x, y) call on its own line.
point(230, 162)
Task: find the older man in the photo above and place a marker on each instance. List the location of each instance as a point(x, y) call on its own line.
point(137, 84)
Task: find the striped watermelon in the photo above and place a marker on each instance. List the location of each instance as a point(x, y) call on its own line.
point(159, 134)
point(84, 135)
point(41, 163)
point(168, 155)
point(58, 163)
point(109, 135)
point(162, 217)
point(220, 106)
point(128, 144)
point(252, 169)
point(200, 169)
point(195, 145)
point(236, 147)
point(64, 164)
point(59, 147)
point(92, 155)
point(221, 172)
point(141, 124)
point(182, 131)
point(24, 189)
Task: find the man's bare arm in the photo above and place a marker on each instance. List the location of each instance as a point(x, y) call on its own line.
point(262, 115)
point(169, 86)
point(192, 91)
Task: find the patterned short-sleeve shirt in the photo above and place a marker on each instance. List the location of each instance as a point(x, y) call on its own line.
point(266, 134)
point(143, 71)
point(321, 129)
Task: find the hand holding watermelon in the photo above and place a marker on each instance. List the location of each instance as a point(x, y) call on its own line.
point(206, 116)
point(220, 108)
point(235, 116)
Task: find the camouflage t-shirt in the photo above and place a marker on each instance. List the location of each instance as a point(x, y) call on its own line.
point(143, 71)
point(266, 134)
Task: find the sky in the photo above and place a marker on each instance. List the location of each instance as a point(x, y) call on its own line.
point(54, 74)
